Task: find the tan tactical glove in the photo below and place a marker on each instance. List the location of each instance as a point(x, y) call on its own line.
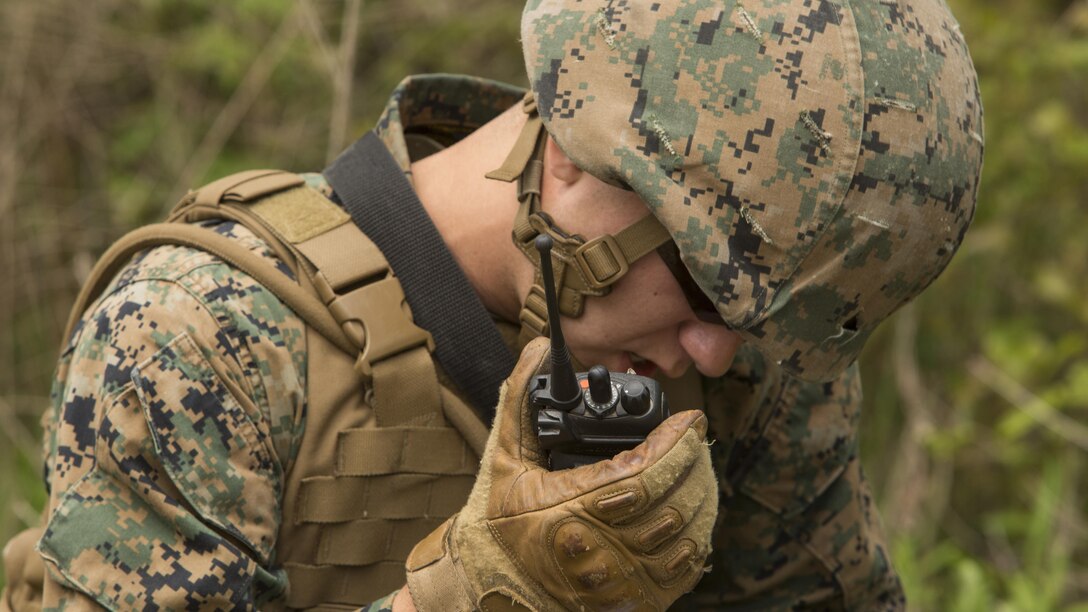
point(629, 533)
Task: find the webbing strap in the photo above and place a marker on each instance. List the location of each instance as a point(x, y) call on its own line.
point(354, 279)
point(311, 585)
point(356, 260)
point(534, 315)
point(341, 260)
point(581, 268)
point(303, 303)
point(330, 499)
point(523, 148)
point(529, 180)
point(383, 204)
point(369, 541)
point(245, 186)
point(406, 389)
point(391, 450)
point(605, 259)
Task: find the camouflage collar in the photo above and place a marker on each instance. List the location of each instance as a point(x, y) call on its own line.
point(444, 107)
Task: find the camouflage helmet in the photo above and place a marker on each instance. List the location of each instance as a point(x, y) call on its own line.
point(816, 162)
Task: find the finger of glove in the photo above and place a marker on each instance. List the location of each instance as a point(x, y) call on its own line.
point(626, 500)
point(599, 562)
point(675, 439)
point(593, 574)
point(675, 542)
point(512, 433)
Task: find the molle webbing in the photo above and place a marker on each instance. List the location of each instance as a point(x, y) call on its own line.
point(370, 541)
point(391, 450)
point(378, 470)
point(332, 499)
point(322, 587)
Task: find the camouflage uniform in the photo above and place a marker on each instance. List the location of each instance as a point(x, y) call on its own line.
point(186, 363)
point(185, 360)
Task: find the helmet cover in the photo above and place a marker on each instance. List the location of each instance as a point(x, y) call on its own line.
point(816, 162)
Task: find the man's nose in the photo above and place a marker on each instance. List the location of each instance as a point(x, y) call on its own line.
point(711, 347)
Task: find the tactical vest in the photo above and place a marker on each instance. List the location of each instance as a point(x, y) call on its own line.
point(389, 452)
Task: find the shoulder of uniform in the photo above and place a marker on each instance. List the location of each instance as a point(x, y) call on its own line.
point(169, 291)
point(181, 278)
point(176, 263)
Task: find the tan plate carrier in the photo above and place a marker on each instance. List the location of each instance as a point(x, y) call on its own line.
point(388, 452)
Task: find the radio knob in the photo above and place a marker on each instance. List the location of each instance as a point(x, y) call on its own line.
point(635, 398)
point(600, 385)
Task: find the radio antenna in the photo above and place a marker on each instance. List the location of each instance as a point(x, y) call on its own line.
point(564, 387)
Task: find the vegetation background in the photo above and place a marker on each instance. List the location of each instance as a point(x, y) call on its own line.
point(976, 405)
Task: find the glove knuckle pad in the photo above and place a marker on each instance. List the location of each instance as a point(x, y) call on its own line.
point(681, 558)
point(618, 503)
point(654, 533)
point(677, 565)
point(592, 568)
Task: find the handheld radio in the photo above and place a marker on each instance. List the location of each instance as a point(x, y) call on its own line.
point(582, 418)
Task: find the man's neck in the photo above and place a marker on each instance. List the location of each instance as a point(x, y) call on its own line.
point(475, 215)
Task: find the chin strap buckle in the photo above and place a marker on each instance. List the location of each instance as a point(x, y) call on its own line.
point(601, 261)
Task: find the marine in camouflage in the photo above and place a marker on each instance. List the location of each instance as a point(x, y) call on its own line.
point(182, 342)
point(816, 162)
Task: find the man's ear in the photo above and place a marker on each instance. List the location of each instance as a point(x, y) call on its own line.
point(558, 165)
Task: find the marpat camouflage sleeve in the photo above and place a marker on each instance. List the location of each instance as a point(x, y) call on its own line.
point(797, 528)
point(177, 407)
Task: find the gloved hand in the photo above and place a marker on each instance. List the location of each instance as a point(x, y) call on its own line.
point(629, 533)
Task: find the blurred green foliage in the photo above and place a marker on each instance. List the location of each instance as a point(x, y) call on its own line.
point(974, 434)
point(990, 512)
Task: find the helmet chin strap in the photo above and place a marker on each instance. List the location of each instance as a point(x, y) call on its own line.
point(582, 267)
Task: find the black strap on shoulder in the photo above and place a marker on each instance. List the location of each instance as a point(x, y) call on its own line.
point(374, 191)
